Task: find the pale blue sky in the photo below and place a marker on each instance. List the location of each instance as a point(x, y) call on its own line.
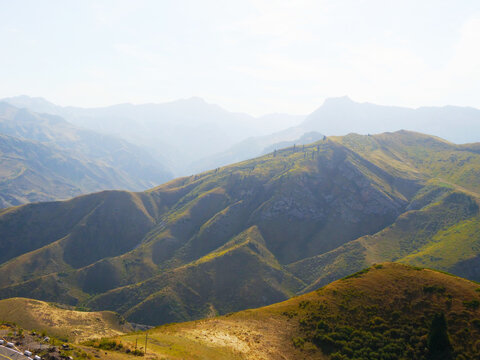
point(252, 56)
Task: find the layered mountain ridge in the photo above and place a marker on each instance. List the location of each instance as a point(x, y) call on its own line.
point(191, 135)
point(178, 133)
point(251, 233)
point(43, 157)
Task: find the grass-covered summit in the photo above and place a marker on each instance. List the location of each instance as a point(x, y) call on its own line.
point(252, 233)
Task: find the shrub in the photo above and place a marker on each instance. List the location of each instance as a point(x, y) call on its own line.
point(472, 304)
point(432, 289)
point(438, 341)
point(357, 274)
point(298, 342)
point(476, 323)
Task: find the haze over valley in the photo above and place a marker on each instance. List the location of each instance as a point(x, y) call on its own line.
point(254, 180)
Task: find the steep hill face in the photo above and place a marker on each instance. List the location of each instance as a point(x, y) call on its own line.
point(251, 233)
point(386, 311)
point(45, 158)
point(441, 235)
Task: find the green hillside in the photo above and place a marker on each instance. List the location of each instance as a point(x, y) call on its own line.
point(253, 233)
point(203, 287)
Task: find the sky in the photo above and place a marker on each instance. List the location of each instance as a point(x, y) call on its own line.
point(258, 56)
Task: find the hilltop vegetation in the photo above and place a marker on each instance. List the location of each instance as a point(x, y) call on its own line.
point(389, 312)
point(253, 233)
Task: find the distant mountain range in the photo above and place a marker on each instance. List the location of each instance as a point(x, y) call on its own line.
point(251, 233)
point(191, 135)
point(43, 157)
point(179, 133)
point(341, 116)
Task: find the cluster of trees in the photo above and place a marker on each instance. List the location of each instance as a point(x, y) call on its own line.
point(294, 150)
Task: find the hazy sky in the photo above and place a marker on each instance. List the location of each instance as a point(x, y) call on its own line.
point(252, 56)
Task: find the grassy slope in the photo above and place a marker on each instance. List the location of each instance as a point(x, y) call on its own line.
point(72, 230)
point(65, 323)
point(391, 302)
point(428, 155)
point(238, 275)
point(388, 310)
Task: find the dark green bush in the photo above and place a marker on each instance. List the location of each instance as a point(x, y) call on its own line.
point(472, 304)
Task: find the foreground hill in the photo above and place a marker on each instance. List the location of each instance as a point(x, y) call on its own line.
point(384, 312)
point(61, 321)
point(43, 157)
point(252, 233)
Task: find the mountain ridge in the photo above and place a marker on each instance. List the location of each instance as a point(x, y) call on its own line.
point(317, 200)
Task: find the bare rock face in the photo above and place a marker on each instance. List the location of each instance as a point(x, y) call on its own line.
point(344, 198)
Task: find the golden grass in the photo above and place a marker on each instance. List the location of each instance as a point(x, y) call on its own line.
point(73, 325)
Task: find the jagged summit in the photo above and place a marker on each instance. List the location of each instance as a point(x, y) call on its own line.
point(338, 101)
